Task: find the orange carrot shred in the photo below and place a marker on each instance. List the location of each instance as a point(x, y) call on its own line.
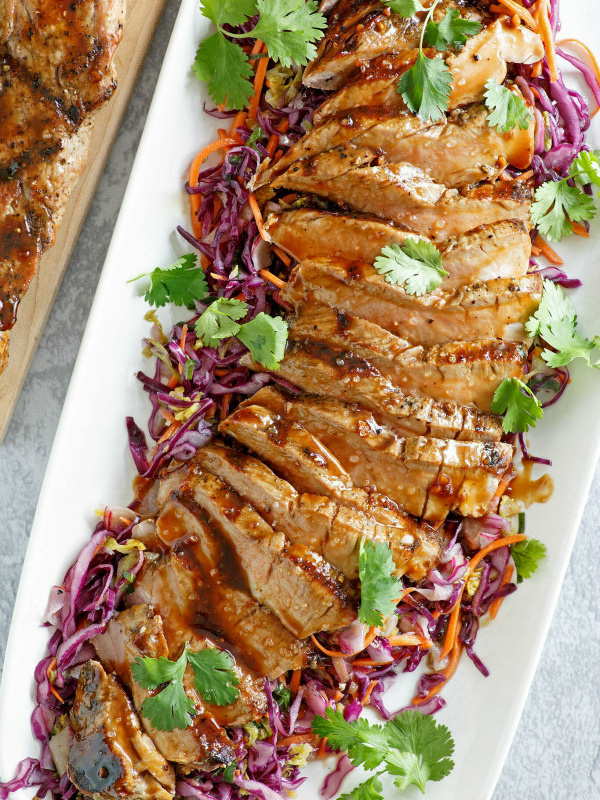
point(547, 36)
point(300, 738)
point(453, 624)
point(195, 199)
point(495, 606)
point(282, 255)
point(370, 688)
point(268, 276)
point(521, 12)
point(258, 217)
point(547, 251)
point(372, 633)
point(295, 682)
point(259, 79)
point(171, 431)
point(448, 672)
point(580, 229)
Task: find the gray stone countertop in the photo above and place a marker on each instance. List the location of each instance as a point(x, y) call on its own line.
point(556, 751)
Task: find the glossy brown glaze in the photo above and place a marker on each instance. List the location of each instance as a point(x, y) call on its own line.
point(527, 490)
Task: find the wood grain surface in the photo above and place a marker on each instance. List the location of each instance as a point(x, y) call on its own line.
point(141, 20)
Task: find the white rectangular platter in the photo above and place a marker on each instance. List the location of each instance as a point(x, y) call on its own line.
point(90, 464)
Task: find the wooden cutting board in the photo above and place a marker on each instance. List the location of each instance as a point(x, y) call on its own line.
point(142, 18)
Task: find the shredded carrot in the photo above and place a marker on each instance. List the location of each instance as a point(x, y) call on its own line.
point(495, 606)
point(225, 405)
point(166, 415)
point(408, 640)
point(184, 333)
point(547, 251)
point(259, 79)
point(282, 255)
point(195, 199)
point(337, 696)
point(300, 738)
point(521, 12)
point(295, 682)
point(173, 381)
point(370, 662)
point(321, 752)
point(590, 55)
point(453, 624)
point(502, 486)
point(536, 70)
point(535, 251)
point(171, 431)
point(277, 156)
point(545, 30)
point(448, 672)
point(268, 276)
point(524, 176)
point(372, 633)
point(237, 122)
point(258, 217)
point(370, 688)
point(289, 198)
point(52, 666)
point(580, 229)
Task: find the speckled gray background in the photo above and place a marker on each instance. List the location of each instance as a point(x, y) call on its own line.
point(556, 752)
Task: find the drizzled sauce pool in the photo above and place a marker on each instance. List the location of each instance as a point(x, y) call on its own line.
point(527, 490)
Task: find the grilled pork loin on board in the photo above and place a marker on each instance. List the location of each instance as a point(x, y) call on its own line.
point(56, 68)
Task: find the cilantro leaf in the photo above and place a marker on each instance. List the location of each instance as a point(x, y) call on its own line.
point(225, 68)
point(214, 677)
point(420, 750)
point(412, 746)
point(527, 556)
point(555, 322)
point(151, 672)
point(169, 709)
point(180, 283)
point(507, 109)
point(379, 587)
point(230, 12)
point(405, 8)
point(557, 205)
point(517, 402)
point(265, 337)
point(371, 789)
point(365, 744)
point(219, 321)
point(425, 87)
point(586, 167)
point(416, 265)
point(451, 31)
point(289, 28)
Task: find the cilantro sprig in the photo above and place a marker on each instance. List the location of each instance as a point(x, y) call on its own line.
point(527, 556)
point(451, 31)
point(507, 109)
point(264, 336)
point(426, 86)
point(555, 322)
point(412, 747)
point(289, 29)
point(517, 402)
point(170, 708)
point(379, 587)
point(416, 266)
point(558, 204)
point(180, 283)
